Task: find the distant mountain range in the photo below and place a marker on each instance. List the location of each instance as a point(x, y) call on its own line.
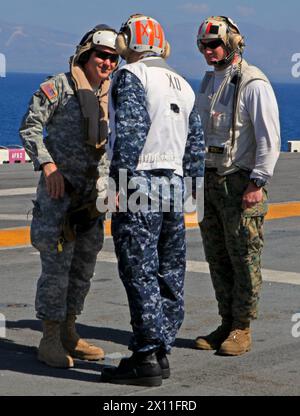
point(35, 49)
point(30, 48)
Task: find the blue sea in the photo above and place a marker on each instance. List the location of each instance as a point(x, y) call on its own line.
point(16, 90)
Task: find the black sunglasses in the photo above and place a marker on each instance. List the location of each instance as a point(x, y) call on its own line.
point(212, 45)
point(106, 55)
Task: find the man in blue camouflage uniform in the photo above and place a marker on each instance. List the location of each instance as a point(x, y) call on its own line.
point(66, 227)
point(158, 140)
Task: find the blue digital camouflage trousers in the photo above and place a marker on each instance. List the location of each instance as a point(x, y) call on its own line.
point(233, 242)
point(65, 277)
point(151, 253)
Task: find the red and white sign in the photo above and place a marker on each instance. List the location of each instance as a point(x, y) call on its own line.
point(16, 155)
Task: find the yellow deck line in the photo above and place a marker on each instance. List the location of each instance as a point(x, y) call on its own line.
point(15, 237)
point(21, 236)
point(283, 210)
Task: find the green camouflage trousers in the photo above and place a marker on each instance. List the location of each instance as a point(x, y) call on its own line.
point(233, 242)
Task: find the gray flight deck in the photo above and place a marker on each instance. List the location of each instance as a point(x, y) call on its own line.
point(271, 368)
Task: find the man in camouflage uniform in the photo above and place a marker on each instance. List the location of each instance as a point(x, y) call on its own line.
point(241, 128)
point(158, 139)
point(66, 227)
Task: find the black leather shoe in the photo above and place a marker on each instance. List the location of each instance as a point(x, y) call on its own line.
point(164, 364)
point(140, 369)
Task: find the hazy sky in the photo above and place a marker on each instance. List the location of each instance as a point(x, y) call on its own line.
point(75, 16)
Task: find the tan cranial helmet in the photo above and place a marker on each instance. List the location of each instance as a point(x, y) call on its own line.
point(224, 28)
point(142, 34)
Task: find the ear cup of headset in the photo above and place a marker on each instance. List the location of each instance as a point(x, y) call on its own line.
point(236, 41)
point(121, 45)
point(167, 51)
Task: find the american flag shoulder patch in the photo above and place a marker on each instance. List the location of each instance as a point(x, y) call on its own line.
point(50, 91)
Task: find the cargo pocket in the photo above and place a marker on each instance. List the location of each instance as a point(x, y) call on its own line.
point(258, 210)
point(35, 224)
point(44, 234)
point(252, 238)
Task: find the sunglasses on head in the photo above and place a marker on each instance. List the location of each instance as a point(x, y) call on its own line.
point(106, 55)
point(212, 44)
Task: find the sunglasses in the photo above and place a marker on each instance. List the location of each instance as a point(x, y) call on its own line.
point(105, 55)
point(212, 45)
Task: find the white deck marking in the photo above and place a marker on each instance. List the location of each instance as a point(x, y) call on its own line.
point(16, 217)
point(276, 276)
point(17, 191)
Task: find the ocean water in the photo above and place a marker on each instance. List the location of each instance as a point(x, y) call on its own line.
point(16, 90)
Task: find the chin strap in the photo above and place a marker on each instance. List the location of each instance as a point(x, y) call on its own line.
point(229, 58)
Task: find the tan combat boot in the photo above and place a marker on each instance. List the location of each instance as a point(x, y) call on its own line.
point(77, 347)
point(51, 351)
point(238, 341)
point(215, 338)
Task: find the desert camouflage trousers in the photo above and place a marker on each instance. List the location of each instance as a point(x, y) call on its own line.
point(233, 242)
point(66, 272)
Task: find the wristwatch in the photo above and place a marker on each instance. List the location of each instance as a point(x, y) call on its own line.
point(259, 183)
